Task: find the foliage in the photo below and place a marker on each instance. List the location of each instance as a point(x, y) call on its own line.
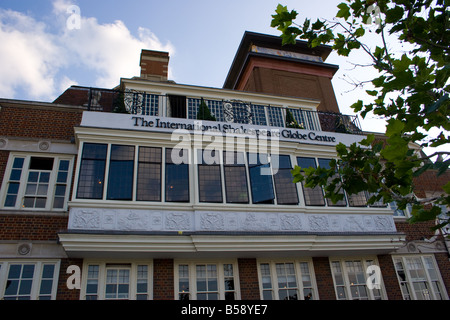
point(291, 122)
point(204, 113)
point(119, 103)
point(411, 91)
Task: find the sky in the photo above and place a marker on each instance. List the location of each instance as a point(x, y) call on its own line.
point(44, 49)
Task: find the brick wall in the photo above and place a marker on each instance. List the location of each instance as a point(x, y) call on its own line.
point(31, 227)
point(38, 123)
point(324, 278)
point(443, 262)
point(163, 279)
point(63, 293)
point(3, 161)
point(390, 279)
point(248, 279)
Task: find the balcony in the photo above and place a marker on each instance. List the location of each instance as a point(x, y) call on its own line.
point(223, 110)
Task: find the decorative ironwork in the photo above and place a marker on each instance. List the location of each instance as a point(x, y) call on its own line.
point(232, 111)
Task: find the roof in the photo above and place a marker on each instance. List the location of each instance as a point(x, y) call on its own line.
point(272, 42)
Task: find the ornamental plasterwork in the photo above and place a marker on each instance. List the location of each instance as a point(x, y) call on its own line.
point(160, 220)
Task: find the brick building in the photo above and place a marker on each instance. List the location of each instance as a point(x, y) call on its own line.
point(151, 202)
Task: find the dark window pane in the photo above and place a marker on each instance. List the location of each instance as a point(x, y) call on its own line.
point(18, 163)
point(313, 196)
point(10, 200)
point(15, 174)
point(149, 174)
point(260, 179)
point(357, 200)
point(209, 179)
point(177, 178)
point(121, 167)
point(38, 163)
point(285, 188)
point(92, 171)
point(325, 163)
point(235, 177)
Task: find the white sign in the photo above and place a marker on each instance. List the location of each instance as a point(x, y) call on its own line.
point(169, 125)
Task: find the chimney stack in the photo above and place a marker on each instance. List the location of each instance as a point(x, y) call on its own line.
point(154, 65)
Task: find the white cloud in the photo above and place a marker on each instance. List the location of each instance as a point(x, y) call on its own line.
point(39, 63)
point(29, 56)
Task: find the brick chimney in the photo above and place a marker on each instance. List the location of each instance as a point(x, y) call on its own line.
point(154, 65)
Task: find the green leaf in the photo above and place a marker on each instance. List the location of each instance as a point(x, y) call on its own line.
point(433, 107)
point(394, 126)
point(360, 31)
point(344, 11)
point(394, 15)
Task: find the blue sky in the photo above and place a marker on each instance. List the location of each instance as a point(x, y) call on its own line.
point(41, 57)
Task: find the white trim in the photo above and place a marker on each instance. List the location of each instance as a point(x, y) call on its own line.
point(79, 245)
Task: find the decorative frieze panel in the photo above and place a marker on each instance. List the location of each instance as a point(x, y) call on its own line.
point(160, 220)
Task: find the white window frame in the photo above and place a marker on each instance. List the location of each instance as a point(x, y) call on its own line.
point(431, 293)
point(24, 179)
point(193, 278)
point(346, 281)
point(37, 276)
point(298, 275)
point(104, 265)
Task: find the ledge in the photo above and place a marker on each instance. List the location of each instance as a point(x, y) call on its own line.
point(84, 244)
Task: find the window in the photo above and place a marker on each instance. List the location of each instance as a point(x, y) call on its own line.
point(260, 178)
point(121, 168)
point(236, 188)
point(177, 175)
point(287, 280)
point(150, 106)
point(286, 190)
point(28, 280)
point(399, 213)
point(209, 176)
point(275, 116)
point(117, 285)
point(176, 106)
point(116, 281)
point(92, 171)
point(419, 278)
point(325, 163)
point(36, 182)
point(206, 281)
point(149, 174)
point(350, 278)
point(313, 196)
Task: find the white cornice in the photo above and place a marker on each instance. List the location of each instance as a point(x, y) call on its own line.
point(86, 245)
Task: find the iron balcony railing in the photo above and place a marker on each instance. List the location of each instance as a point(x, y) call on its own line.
point(233, 111)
